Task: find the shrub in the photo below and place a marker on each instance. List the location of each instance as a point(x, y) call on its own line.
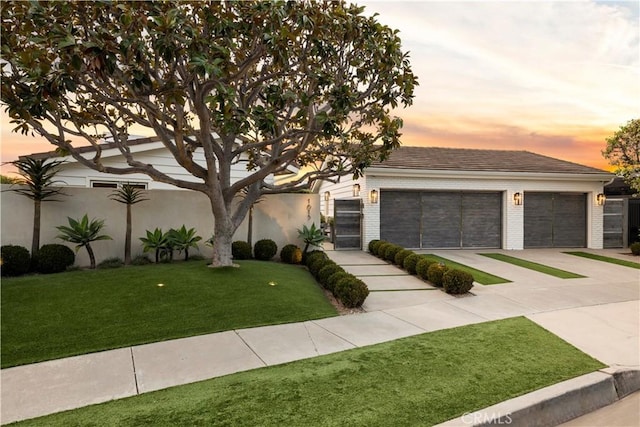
point(391, 251)
point(635, 248)
point(400, 257)
point(333, 280)
point(196, 257)
point(373, 244)
point(327, 271)
point(311, 256)
point(382, 248)
point(113, 262)
point(375, 247)
point(410, 263)
point(436, 272)
point(422, 267)
point(317, 264)
point(351, 292)
point(16, 260)
point(457, 282)
point(54, 258)
point(240, 250)
point(265, 249)
point(291, 254)
point(141, 260)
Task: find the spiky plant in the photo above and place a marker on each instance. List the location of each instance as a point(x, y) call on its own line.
point(83, 232)
point(129, 196)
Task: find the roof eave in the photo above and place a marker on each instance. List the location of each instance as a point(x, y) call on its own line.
point(447, 173)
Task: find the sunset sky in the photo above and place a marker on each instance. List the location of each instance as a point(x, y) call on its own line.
point(551, 77)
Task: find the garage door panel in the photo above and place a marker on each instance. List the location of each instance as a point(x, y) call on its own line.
point(481, 220)
point(570, 217)
point(441, 219)
point(400, 213)
point(538, 220)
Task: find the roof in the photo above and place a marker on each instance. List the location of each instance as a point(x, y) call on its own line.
point(437, 158)
point(91, 148)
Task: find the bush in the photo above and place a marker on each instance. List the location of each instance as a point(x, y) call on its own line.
point(317, 264)
point(457, 282)
point(54, 258)
point(240, 250)
point(376, 247)
point(373, 244)
point(196, 257)
point(333, 280)
point(391, 251)
point(291, 254)
point(635, 248)
point(410, 263)
point(400, 257)
point(382, 248)
point(422, 267)
point(265, 249)
point(351, 292)
point(436, 272)
point(16, 260)
point(311, 256)
point(113, 262)
point(327, 271)
point(141, 260)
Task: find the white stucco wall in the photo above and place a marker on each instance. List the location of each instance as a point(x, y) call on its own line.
point(513, 216)
point(277, 217)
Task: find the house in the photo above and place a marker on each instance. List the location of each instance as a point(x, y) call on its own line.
point(448, 198)
point(621, 215)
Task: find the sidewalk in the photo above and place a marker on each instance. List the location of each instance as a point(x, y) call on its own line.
point(598, 314)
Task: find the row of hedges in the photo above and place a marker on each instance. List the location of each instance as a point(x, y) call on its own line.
point(347, 288)
point(53, 258)
point(451, 280)
point(265, 250)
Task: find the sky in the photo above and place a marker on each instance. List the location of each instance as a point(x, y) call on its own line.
point(551, 77)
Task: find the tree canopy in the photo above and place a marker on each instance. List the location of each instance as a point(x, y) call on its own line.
point(623, 152)
point(305, 85)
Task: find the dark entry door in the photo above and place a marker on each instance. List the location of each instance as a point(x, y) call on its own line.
point(555, 220)
point(347, 214)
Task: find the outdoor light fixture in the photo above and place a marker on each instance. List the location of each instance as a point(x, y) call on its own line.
point(326, 196)
point(600, 198)
point(356, 190)
point(373, 196)
point(517, 199)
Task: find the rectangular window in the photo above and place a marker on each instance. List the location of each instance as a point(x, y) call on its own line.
point(118, 184)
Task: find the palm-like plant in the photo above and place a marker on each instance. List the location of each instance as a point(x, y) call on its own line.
point(311, 236)
point(83, 232)
point(183, 239)
point(38, 176)
point(156, 241)
point(129, 196)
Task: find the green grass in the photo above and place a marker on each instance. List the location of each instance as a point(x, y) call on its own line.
point(541, 268)
point(52, 316)
point(479, 276)
point(606, 259)
point(421, 380)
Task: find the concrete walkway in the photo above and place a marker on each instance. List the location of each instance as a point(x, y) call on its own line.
point(598, 314)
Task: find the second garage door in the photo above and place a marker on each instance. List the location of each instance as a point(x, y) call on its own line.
point(444, 220)
point(555, 220)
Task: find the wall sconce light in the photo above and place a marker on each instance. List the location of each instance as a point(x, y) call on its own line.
point(517, 199)
point(326, 196)
point(308, 208)
point(373, 196)
point(356, 190)
point(600, 199)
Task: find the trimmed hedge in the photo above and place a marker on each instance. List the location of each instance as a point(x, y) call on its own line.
point(400, 257)
point(54, 258)
point(16, 260)
point(347, 288)
point(351, 291)
point(410, 263)
point(265, 249)
point(635, 248)
point(240, 250)
point(457, 282)
point(373, 245)
point(291, 254)
point(382, 248)
point(422, 267)
point(333, 280)
point(391, 251)
point(309, 257)
point(435, 273)
point(317, 264)
point(327, 271)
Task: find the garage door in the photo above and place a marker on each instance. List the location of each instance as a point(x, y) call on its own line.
point(443, 220)
point(555, 220)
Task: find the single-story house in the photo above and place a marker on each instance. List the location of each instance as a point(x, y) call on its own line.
point(448, 198)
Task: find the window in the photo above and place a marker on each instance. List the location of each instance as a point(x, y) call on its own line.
point(118, 184)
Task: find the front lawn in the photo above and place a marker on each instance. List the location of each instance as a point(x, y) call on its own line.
point(421, 380)
point(610, 260)
point(58, 315)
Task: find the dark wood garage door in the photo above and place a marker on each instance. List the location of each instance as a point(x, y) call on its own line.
point(443, 220)
point(555, 220)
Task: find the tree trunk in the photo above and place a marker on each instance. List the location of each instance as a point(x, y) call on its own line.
point(127, 238)
point(92, 257)
point(250, 227)
point(35, 240)
point(222, 256)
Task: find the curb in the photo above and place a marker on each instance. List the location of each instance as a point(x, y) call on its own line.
point(558, 403)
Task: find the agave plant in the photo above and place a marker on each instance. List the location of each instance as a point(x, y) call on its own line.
point(311, 236)
point(83, 232)
point(156, 241)
point(183, 239)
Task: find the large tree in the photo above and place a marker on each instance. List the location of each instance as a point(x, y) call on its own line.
point(623, 152)
point(276, 84)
